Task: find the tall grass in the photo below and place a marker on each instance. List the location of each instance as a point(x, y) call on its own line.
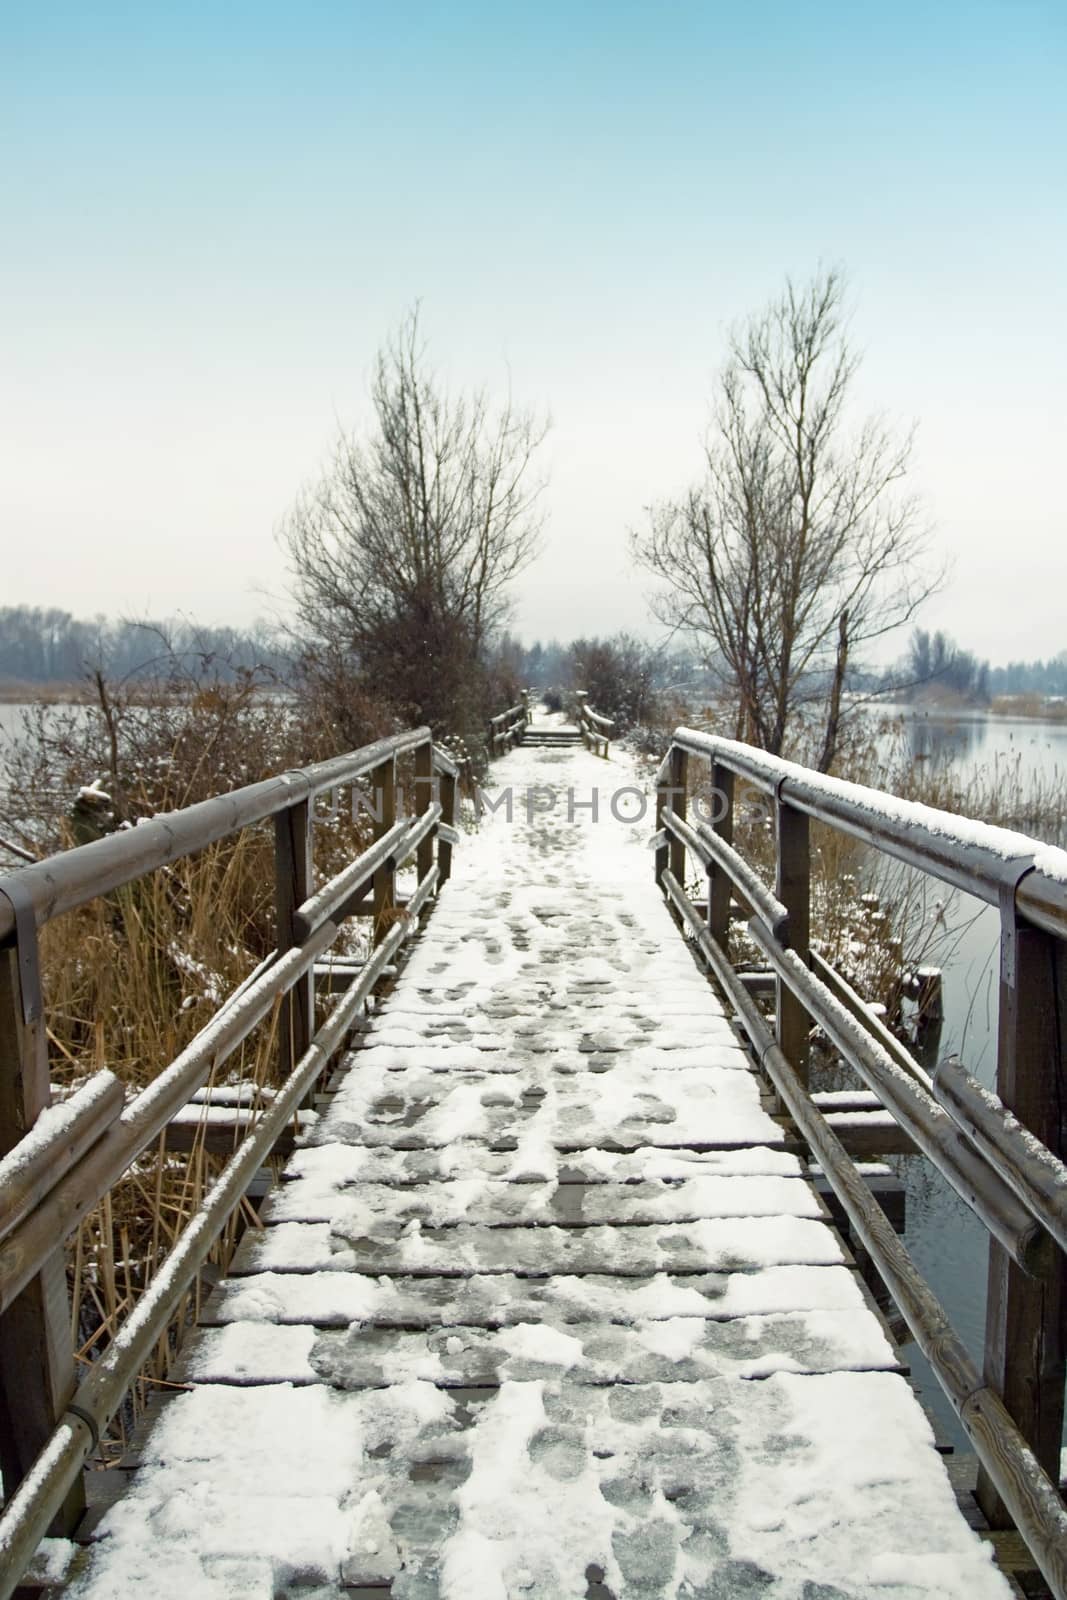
point(132, 976)
point(1003, 791)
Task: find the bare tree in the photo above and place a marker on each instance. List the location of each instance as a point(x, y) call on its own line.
point(798, 548)
point(401, 556)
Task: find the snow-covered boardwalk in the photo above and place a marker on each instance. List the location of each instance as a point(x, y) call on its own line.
point(543, 1308)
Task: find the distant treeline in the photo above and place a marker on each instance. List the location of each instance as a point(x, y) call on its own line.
point(45, 645)
point(41, 645)
point(935, 664)
point(1031, 677)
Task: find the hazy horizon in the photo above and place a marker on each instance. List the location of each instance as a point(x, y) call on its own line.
point(214, 222)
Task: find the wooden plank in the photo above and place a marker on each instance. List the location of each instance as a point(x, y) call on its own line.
point(327, 1167)
point(867, 1135)
point(709, 1108)
point(494, 1203)
point(710, 1245)
point(614, 1455)
point(489, 1300)
point(678, 1349)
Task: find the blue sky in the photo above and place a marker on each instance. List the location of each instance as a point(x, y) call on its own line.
point(213, 215)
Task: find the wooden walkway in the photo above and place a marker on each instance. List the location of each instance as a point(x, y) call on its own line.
point(544, 1307)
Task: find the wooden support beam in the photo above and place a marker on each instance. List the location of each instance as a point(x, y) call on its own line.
point(794, 891)
point(292, 886)
point(383, 783)
point(36, 1355)
point(719, 885)
point(424, 798)
point(1025, 1336)
point(676, 802)
point(448, 816)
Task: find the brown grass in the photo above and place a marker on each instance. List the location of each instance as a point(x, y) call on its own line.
point(131, 977)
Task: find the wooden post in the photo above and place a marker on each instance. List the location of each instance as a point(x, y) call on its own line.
point(292, 886)
point(1025, 1317)
point(36, 1354)
point(448, 815)
point(676, 802)
point(793, 888)
point(663, 855)
point(424, 787)
point(722, 823)
point(383, 780)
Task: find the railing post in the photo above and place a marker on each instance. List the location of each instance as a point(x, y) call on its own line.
point(1025, 1317)
point(292, 886)
point(36, 1355)
point(579, 695)
point(677, 804)
point(663, 855)
point(448, 816)
point(670, 796)
point(722, 823)
point(424, 786)
point(793, 887)
point(383, 779)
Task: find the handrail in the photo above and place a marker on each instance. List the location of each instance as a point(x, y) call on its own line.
point(393, 846)
point(599, 721)
point(977, 857)
point(53, 1176)
point(27, 1515)
point(917, 1112)
point(593, 727)
point(30, 1171)
point(1028, 1491)
point(1003, 1153)
point(507, 727)
point(82, 1185)
point(65, 881)
point(1033, 1172)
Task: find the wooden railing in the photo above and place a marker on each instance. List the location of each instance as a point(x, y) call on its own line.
point(1003, 1152)
point(507, 729)
point(594, 729)
point(53, 1175)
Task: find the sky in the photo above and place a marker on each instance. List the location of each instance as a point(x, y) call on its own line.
point(212, 216)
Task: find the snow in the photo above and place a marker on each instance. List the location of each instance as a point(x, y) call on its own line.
point(338, 1299)
point(373, 1555)
point(494, 1202)
point(540, 1343)
point(94, 793)
point(54, 1123)
point(708, 1245)
point(543, 1303)
point(51, 1563)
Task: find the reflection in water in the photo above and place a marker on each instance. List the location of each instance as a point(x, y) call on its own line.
point(938, 739)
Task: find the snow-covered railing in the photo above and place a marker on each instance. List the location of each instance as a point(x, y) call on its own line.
point(506, 729)
point(58, 1163)
point(1003, 1152)
point(595, 729)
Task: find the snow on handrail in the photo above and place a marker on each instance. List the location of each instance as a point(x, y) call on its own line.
point(977, 857)
point(68, 879)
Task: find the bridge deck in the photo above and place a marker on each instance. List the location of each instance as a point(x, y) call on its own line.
point(543, 1308)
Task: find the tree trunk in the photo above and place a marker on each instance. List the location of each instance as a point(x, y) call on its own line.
point(833, 707)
